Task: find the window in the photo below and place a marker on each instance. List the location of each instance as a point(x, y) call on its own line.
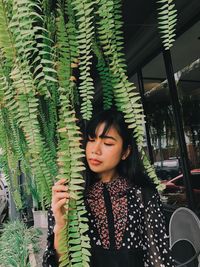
point(160, 115)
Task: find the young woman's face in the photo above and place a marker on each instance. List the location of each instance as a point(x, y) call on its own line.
point(103, 153)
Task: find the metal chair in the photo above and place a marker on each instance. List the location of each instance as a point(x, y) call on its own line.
point(184, 237)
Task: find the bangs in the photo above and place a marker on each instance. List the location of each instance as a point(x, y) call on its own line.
point(93, 125)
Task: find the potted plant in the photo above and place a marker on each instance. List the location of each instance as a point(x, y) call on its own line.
point(39, 211)
point(15, 241)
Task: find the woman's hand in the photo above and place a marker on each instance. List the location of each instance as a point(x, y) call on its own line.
point(60, 197)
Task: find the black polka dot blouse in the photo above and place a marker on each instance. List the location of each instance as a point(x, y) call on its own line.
point(126, 227)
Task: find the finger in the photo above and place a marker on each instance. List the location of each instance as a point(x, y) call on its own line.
point(59, 188)
point(59, 196)
point(61, 203)
point(61, 181)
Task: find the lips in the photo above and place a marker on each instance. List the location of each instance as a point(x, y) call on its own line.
point(95, 161)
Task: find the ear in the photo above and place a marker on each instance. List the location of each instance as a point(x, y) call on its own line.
point(126, 153)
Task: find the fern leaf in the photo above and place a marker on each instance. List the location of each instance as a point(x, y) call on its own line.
point(8, 159)
point(84, 20)
point(6, 42)
point(126, 97)
point(105, 76)
point(167, 18)
point(71, 166)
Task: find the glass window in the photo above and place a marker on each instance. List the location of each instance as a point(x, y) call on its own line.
point(187, 76)
point(195, 180)
point(160, 116)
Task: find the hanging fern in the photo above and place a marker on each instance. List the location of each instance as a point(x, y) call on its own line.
point(105, 76)
point(47, 127)
point(5, 36)
point(8, 103)
point(74, 243)
point(40, 88)
point(49, 58)
point(126, 97)
point(72, 32)
point(84, 20)
point(25, 84)
point(32, 39)
point(73, 45)
point(9, 159)
point(167, 18)
point(118, 32)
point(13, 136)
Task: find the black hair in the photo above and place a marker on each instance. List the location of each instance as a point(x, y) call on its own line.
point(132, 167)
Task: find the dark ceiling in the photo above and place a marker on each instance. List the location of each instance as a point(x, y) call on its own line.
point(142, 43)
point(142, 40)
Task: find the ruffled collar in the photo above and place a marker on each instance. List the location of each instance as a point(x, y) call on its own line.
point(119, 184)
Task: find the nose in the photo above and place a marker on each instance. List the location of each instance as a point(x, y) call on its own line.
point(96, 148)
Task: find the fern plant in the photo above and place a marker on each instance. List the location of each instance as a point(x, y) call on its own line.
point(105, 77)
point(8, 160)
point(48, 52)
point(167, 18)
point(24, 84)
point(74, 242)
point(14, 244)
point(84, 20)
point(127, 98)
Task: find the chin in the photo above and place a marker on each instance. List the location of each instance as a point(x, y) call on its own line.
point(96, 169)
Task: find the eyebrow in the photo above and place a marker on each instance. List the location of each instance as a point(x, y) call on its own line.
point(107, 137)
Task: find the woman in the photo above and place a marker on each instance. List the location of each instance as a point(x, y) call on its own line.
point(126, 223)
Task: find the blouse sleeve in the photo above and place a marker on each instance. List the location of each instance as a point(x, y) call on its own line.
point(156, 243)
point(50, 256)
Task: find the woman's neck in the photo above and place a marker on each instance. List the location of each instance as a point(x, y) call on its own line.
point(106, 178)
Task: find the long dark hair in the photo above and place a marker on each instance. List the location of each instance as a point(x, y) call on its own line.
point(131, 168)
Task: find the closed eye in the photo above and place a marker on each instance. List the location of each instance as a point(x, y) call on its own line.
point(108, 144)
point(91, 140)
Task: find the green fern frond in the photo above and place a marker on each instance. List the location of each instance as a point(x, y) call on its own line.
point(119, 34)
point(105, 76)
point(107, 87)
point(3, 79)
point(71, 31)
point(167, 18)
point(9, 105)
point(69, 152)
point(38, 91)
point(73, 48)
point(9, 96)
point(85, 32)
point(63, 51)
point(52, 116)
point(127, 99)
point(43, 165)
point(8, 159)
point(46, 125)
point(70, 167)
point(5, 37)
point(30, 37)
point(18, 144)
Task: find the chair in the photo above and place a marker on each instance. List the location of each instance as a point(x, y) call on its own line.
point(184, 237)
